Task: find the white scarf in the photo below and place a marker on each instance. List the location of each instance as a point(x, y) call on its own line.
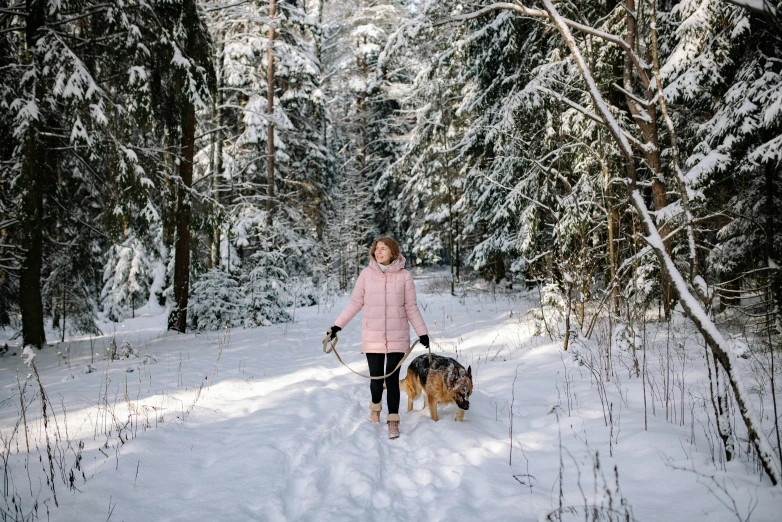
point(384, 268)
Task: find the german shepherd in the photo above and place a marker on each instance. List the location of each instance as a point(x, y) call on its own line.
point(446, 381)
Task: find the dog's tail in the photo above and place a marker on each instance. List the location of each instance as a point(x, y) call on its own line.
point(403, 382)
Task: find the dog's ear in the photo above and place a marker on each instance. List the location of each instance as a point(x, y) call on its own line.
point(469, 371)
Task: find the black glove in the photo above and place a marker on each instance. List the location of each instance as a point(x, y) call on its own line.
point(333, 332)
point(424, 339)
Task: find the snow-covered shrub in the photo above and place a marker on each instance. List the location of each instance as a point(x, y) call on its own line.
point(267, 295)
point(624, 338)
point(552, 310)
point(215, 298)
point(124, 351)
point(301, 292)
point(644, 284)
point(553, 296)
point(67, 297)
point(437, 285)
point(158, 268)
point(127, 277)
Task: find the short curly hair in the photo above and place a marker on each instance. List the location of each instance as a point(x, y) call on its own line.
point(388, 241)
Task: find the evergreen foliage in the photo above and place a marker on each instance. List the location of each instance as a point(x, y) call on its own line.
point(475, 143)
point(215, 300)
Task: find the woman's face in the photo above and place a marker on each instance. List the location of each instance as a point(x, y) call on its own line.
point(382, 253)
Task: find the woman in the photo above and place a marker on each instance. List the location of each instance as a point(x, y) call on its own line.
point(386, 292)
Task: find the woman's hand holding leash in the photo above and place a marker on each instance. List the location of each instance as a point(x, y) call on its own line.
point(330, 345)
point(332, 332)
point(424, 340)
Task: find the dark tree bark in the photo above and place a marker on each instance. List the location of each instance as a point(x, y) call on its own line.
point(30, 211)
point(198, 47)
point(178, 318)
point(31, 219)
point(771, 209)
point(499, 268)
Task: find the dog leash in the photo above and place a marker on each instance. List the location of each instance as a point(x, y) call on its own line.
point(330, 345)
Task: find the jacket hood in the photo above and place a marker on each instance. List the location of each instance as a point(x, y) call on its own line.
point(396, 265)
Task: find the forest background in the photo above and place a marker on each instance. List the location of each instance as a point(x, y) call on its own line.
point(231, 159)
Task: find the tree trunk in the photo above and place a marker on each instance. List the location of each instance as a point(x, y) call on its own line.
point(210, 242)
point(62, 332)
point(451, 252)
point(612, 227)
point(775, 274)
point(723, 415)
point(319, 214)
point(499, 268)
point(216, 166)
point(30, 212)
point(646, 119)
point(178, 318)
point(270, 112)
point(458, 257)
point(216, 227)
point(31, 219)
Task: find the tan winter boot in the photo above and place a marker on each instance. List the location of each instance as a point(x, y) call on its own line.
point(374, 413)
point(393, 425)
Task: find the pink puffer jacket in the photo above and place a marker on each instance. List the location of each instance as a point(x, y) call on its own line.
point(389, 302)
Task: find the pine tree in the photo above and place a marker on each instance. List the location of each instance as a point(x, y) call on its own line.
point(127, 277)
point(71, 156)
point(216, 300)
point(253, 229)
point(192, 79)
point(366, 129)
point(721, 69)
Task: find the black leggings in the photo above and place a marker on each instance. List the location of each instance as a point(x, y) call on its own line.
point(375, 361)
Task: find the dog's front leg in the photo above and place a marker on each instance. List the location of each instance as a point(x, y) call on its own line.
point(409, 403)
point(433, 408)
point(460, 415)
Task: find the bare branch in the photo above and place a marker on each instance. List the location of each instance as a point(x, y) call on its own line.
point(12, 29)
point(221, 7)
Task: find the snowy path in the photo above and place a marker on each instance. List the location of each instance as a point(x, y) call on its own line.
point(290, 441)
point(282, 433)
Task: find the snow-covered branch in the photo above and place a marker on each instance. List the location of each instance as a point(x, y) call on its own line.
point(757, 6)
point(499, 6)
point(641, 66)
point(719, 346)
point(608, 118)
point(592, 116)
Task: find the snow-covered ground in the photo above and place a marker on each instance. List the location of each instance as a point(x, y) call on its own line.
point(264, 426)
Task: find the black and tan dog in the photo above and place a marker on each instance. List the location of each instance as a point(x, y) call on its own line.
point(446, 381)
